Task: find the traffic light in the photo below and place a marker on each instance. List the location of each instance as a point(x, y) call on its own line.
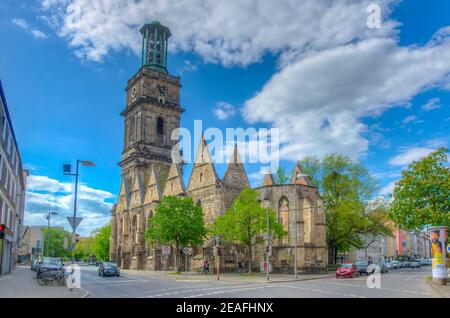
point(2, 231)
point(267, 248)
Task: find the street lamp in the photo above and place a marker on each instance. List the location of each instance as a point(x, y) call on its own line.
point(67, 171)
point(267, 249)
point(48, 231)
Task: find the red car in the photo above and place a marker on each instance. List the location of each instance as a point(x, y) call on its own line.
point(347, 270)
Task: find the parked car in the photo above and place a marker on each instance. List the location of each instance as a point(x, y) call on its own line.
point(414, 264)
point(404, 264)
point(34, 264)
point(423, 262)
point(395, 264)
point(387, 264)
point(383, 267)
point(362, 267)
point(347, 270)
point(49, 264)
point(108, 269)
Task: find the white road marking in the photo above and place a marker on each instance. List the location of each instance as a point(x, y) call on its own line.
point(229, 291)
point(194, 290)
point(319, 291)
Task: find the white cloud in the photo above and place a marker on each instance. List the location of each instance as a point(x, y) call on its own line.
point(34, 32)
point(45, 194)
point(38, 34)
point(409, 119)
point(224, 110)
point(236, 32)
point(410, 155)
point(332, 69)
point(20, 23)
point(388, 189)
point(432, 104)
point(318, 101)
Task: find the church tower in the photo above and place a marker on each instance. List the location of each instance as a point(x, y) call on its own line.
point(152, 109)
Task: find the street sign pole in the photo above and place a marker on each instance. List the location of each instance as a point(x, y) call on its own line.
point(165, 261)
point(186, 264)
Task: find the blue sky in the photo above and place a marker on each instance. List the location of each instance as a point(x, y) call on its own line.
point(326, 80)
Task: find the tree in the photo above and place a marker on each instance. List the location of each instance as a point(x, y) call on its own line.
point(59, 243)
point(422, 196)
point(245, 221)
point(347, 188)
point(83, 249)
point(178, 221)
point(375, 222)
point(281, 177)
point(100, 245)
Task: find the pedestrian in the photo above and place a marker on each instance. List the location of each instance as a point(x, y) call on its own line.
point(240, 267)
point(205, 269)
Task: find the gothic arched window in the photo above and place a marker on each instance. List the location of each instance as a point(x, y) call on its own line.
point(283, 212)
point(160, 126)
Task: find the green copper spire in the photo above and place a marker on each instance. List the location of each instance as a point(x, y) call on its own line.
point(154, 46)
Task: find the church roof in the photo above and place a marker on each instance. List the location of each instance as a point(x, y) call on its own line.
point(175, 183)
point(298, 177)
point(153, 192)
point(235, 174)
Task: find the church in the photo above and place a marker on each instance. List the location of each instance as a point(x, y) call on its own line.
point(151, 115)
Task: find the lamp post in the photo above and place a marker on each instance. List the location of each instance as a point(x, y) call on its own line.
point(67, 171)
point(48, 231)
point(267, 248)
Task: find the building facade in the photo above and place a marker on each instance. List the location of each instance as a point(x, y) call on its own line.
point(12, 190)
point(152, 168)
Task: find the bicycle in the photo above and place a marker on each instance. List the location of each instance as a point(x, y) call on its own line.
point(55, 277)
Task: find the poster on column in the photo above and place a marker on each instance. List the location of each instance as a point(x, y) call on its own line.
point(439, 242)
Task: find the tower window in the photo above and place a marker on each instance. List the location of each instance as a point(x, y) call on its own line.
point(160, 126)
point(201, 177)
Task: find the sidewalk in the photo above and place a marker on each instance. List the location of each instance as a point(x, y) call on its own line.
point(443, 291)
point(227, 277)
point(22, 283)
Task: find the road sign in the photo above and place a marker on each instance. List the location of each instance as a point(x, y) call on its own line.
point(166, 250)
point(186, 250)
point(74, 222)
point(448, 249)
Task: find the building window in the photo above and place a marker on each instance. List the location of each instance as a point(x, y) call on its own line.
point(160, 126)
point(283, 212)
point(201, 177)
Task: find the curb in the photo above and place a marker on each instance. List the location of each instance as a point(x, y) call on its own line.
point(300, 279)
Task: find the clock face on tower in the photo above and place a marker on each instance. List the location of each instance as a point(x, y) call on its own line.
point(134, 92)
point(161, 90)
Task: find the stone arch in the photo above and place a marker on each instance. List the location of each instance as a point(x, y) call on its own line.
point(283, 217)
point(133, 233)
point(160, 126)
point(308, 219)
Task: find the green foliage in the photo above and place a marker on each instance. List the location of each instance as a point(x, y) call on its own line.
point(177, 220)
point(347, 189)
point(281, 177)
point(246, 220)
point(59, 243)
point(100, 244)
point(83, 249)
point(422, 196)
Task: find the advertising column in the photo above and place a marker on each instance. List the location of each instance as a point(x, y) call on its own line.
point(439, 242)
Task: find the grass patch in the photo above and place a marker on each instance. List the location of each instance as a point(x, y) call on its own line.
point(175, 273)
point(429, 278)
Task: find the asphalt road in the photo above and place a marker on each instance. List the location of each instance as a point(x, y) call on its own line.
point(404, 283)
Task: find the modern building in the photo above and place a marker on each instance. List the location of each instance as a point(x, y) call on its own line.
point(12, 189)
point(152, 114)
